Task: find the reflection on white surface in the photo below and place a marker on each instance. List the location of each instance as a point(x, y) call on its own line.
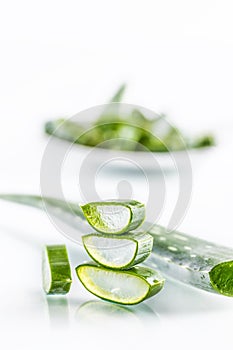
point(58, 311)
point(179, 300)
point(170, 316)
point(101, 313)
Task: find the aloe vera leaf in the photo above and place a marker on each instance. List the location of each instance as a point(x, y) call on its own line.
point(185, 258)
point(118, 252)
point(114, 217)
point(117, 134)
point(65, 129)
point(56, 271)
point(117, 97)
point(192, 260)
point(111, 125)
point(68, 212)
point(128, 287)
point(203, 141)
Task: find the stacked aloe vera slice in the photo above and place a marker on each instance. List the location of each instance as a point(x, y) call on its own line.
point(188, 259)
point(115, 250)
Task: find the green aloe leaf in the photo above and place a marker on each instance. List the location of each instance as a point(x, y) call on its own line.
point(188, 259)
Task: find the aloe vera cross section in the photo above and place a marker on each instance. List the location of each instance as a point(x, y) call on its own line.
point(188, 259)
point(118, 251)
point(114, 217)
point(124, 287)
point(192, 260)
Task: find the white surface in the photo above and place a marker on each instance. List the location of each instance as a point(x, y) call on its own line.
point(60, 57)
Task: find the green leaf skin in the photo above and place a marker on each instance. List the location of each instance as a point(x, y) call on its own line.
point(105, 217)
point(118, 252)
point(191, 260)
point(65, 129)
point(123, 287)
point(111, 132)
point(39, 202)
point(56, 270)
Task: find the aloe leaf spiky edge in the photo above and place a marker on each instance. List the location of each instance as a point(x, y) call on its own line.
point(152, 278)
point(203, 274)
point(143, 246)
point(93, 216)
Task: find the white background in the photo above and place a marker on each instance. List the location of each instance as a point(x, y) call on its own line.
point(59, 57)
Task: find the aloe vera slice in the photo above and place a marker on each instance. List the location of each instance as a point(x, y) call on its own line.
point(124, 287)
point(56, 271)
point(192, 260)
point(188, 259)
point(114, 217)
point(118, 252)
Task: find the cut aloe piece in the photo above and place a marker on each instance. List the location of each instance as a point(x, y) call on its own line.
point(124, 287)
point(118, 252)
point(188, 259)
point(192, 260)
point(114, 217)
point(56, 271)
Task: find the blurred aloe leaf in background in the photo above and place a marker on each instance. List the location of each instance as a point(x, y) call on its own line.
point(132, 132)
